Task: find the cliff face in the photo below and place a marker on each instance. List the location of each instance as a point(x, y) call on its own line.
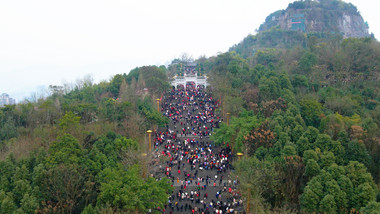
point(330, 16)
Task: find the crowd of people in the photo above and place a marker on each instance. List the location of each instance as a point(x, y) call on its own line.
point(198, 169)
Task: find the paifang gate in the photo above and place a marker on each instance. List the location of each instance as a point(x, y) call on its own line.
point(190, 76)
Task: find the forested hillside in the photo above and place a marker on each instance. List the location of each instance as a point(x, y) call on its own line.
point(79, 150)
point(305, 113)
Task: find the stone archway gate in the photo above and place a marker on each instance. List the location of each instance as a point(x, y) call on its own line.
point(183, 80)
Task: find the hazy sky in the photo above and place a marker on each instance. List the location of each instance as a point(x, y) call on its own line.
point(49, 42)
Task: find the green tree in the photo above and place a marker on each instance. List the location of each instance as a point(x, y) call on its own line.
point(340, 197)
point(363, 194)
point(66, 150)
point(355, 151)
point(269, 88)
point(325, 143)
point(259, 180)
point(29, 204)
point(372, 207)
point(21, 173)
point(126, 191)
point(311, 134)
point(21, 187)
point(7, 205)
point(358, 174)
point(327, 159)
point(307, 61)
point(309, 201)
point(350, 186)
point(310, 154)
point(311, 111)
point(302, 145)
point(332, 125)
point(237, 130)
point(289, 150)
point(114, 85)
point(65, 188)
point(69, 123)
point(291, 170)
point(312, 196)
point(346, 186)
point(8, 129)
point(328, 204)
point(312, 168)
point(7, 168)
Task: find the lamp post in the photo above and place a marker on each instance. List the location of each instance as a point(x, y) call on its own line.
point(150, 143)
point(158, 104)
point(239, 154)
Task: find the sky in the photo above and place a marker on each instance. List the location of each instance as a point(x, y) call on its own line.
point(50, 42)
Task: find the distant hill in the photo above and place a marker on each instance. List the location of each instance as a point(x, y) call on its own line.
point(327, 16)
point(303, 23)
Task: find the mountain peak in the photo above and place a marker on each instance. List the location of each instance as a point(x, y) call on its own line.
point(328, 16)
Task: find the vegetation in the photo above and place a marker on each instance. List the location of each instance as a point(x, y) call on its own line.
point(77, 150)
point(305, 115)
point(305, 111)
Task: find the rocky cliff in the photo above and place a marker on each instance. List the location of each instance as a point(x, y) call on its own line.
point(329, 16)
